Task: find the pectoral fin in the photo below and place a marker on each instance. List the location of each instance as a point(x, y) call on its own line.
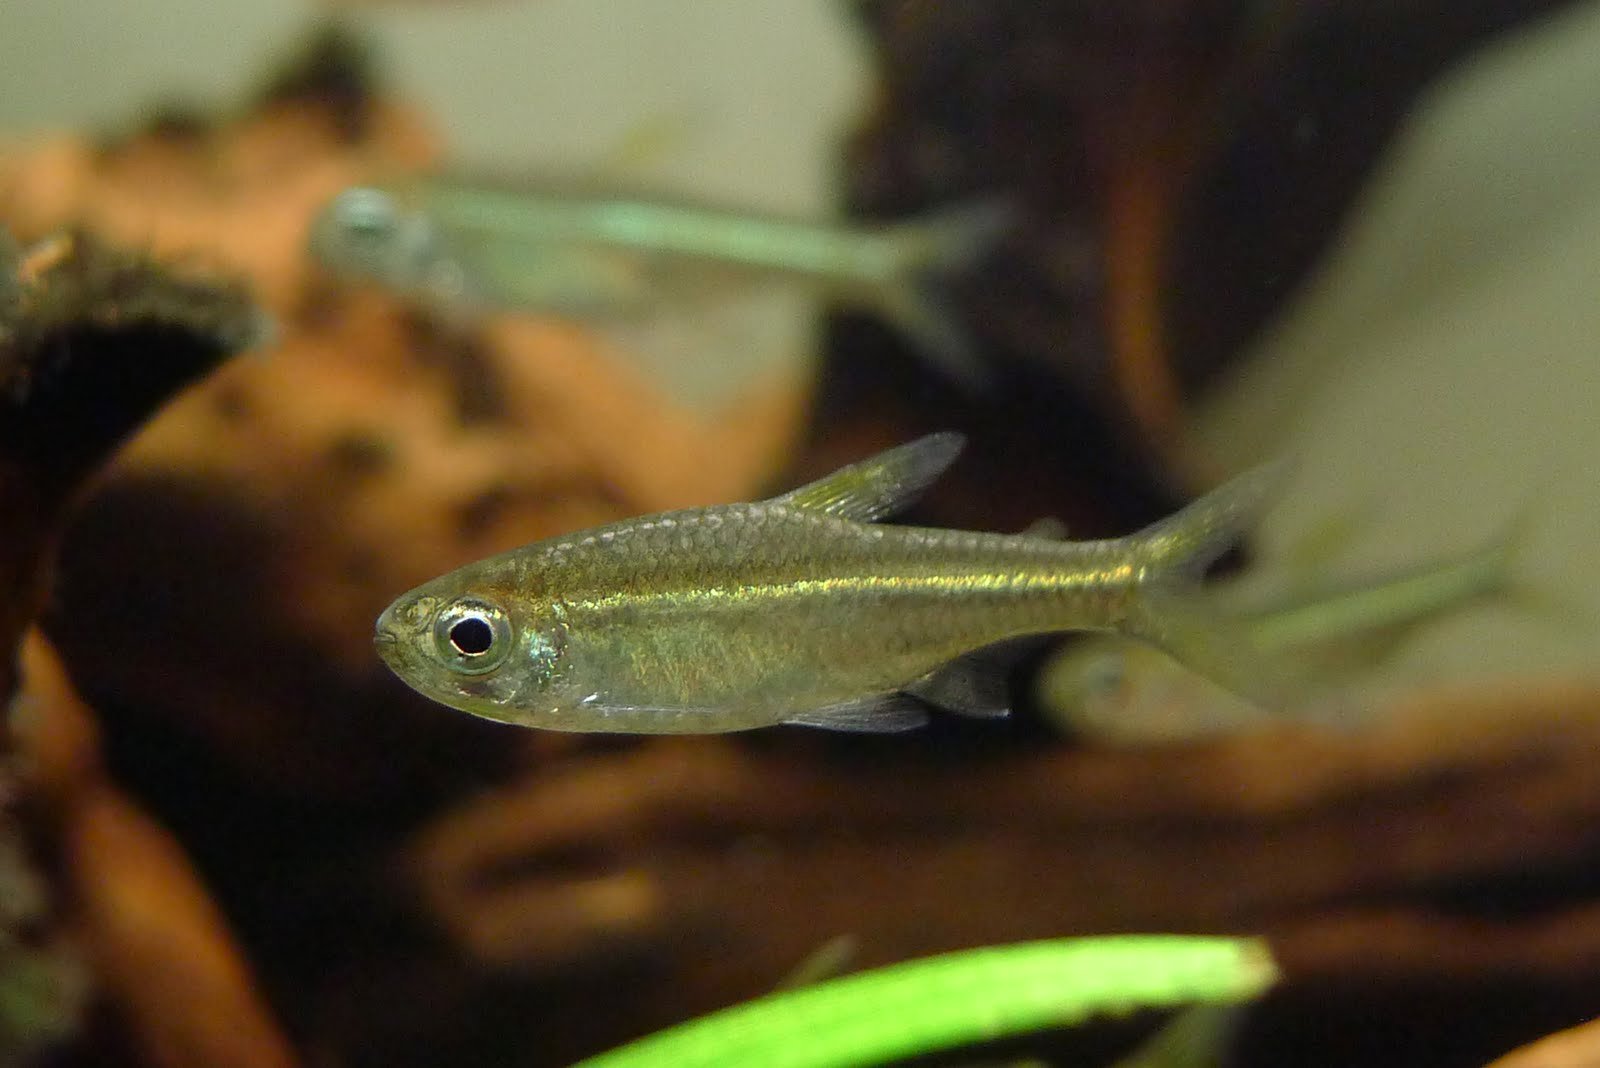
point(879, 485)
point(879, 714)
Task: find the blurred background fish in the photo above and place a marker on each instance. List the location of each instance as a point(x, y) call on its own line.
point(1118, 692)
point(462, 249)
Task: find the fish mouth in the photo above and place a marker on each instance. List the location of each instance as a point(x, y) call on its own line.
point(382, 639)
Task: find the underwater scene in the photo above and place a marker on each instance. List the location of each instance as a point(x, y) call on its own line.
point(696, 533)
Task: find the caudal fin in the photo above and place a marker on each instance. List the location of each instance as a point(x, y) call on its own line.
point(927, 252)
point(1179, 548)
point(1175, 553)
point(1503, 577)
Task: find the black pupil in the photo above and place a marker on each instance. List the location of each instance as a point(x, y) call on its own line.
point(472, 637)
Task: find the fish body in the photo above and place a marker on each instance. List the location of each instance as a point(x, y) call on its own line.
point(1120, 691)
point(797, 609)
point(463, 248)
point(1393, 601)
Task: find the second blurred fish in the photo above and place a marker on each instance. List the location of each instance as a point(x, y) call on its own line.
point(1120, 692)
point(462, 248)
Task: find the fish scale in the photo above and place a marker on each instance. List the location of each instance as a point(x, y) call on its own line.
point(789, 610)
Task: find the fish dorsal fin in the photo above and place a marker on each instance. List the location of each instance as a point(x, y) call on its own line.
point(828, 961)
point(879, 485)
point(1045, 528)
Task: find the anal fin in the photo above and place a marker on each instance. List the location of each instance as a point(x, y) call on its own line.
point(972, 685)
point(878, 714)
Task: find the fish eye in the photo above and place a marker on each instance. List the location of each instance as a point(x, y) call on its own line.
point(472, 635)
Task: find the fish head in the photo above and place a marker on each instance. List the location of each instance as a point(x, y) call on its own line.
point(1124, 692)
point(482, 647)
point(1089, 680)
point(373, 235)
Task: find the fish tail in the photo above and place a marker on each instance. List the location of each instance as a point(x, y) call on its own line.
point(1168, 610)
point(1491, 569)
point(1177, 550)
point(927, 252)
point(1499, 574)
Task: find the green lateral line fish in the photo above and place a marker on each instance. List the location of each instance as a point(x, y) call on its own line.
point(456, 248)
point(799, 609)
point(1117, 691)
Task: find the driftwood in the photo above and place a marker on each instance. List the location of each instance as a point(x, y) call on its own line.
point(1578, 1047)
point(1319, 840)
point(1382, 861)
point(366, 453)
point(157, 946)
point(222, 579)
point(92, 341)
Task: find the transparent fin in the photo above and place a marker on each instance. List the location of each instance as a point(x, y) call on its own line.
point(937, 335)
point(1045, 528)
point(928, 249)
point(1171, 611)
point(828, 961)
point(973, 685)
point(1220, 648)
point(1181, 547)
point(879, 485)
point(954, 239)
point(880, 714)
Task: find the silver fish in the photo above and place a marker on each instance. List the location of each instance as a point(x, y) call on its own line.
point(797, 609)
point(458, 248)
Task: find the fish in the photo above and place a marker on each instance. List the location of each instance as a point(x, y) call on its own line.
point(463, 250)
point(1119, 692)
point(798, 609)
